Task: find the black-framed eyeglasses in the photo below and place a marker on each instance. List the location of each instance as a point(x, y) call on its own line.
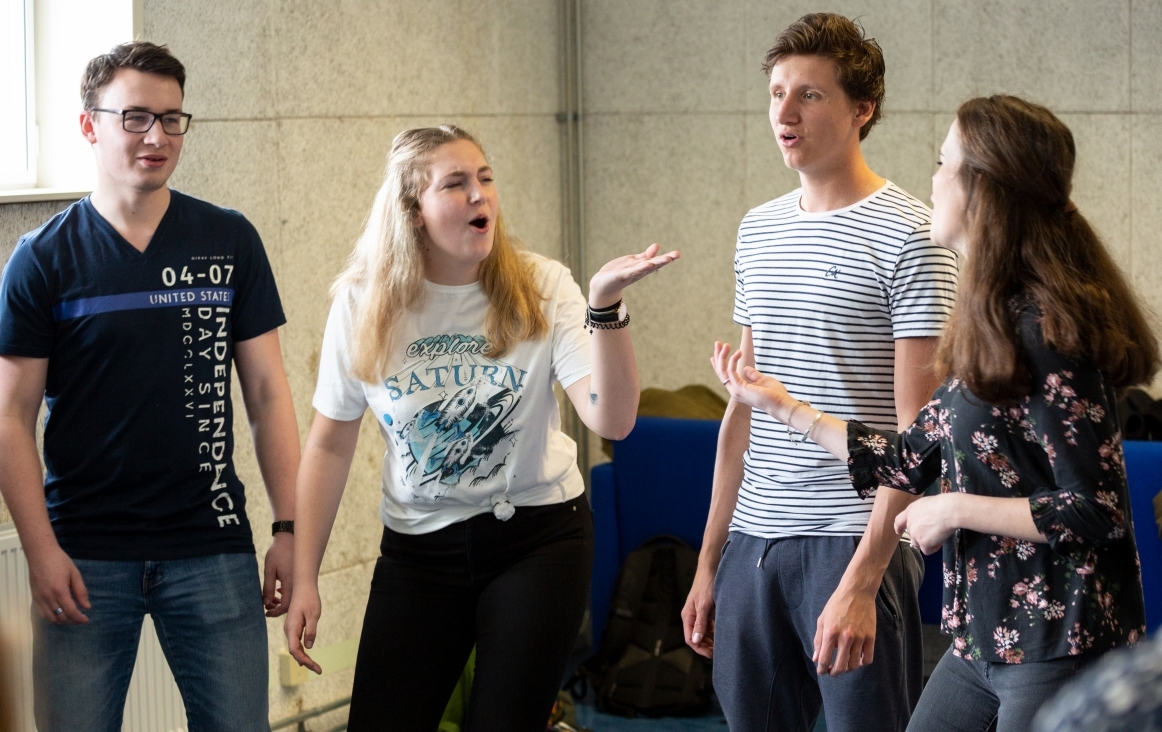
point(138, 120)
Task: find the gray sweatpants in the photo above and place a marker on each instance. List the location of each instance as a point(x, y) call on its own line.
point(768, 595)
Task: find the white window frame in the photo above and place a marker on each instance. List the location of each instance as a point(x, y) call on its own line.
point(17, 44)
point(67, 34)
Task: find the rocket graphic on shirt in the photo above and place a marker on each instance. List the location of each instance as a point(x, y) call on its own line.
point(460, 427)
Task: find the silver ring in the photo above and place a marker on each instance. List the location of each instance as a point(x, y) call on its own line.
point(58, 611)
point(726, 382)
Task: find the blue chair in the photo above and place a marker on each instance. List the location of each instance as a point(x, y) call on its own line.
point(658, 483)
point(1144, 473)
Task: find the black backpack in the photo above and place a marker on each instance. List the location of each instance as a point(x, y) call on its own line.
point(643, 665)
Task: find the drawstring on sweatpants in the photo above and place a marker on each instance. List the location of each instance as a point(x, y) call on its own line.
point(769, 543)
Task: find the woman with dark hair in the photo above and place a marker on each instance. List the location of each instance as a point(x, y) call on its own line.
point(1041, 572)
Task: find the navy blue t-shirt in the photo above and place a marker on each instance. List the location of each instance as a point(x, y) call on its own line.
point(138, 442)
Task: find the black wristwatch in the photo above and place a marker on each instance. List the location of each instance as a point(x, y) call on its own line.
point(287, 526)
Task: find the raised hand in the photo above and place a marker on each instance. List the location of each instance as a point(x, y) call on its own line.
point(605, 287)
point(748, 386)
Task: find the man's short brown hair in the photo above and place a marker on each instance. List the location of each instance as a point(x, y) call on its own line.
point(142, 56)
point(859, 61)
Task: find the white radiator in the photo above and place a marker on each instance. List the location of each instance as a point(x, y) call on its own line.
point(153, 704)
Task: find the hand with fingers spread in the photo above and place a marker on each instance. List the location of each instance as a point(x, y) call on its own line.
point(302, 620)
point(58, 591)
point(749, 386)
point(606, 285)
point(278, 575)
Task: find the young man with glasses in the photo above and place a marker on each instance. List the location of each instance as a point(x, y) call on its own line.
point(125, 313)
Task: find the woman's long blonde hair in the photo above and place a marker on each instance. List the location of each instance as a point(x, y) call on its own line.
point(387, 264)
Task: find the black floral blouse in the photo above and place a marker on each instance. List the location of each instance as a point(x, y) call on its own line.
point(1007, 600)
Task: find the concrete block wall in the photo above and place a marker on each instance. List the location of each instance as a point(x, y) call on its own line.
point(679, 148)
point(296, 103)
point(295, 106)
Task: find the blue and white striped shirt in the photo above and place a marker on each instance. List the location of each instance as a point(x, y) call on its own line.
point(825, 296)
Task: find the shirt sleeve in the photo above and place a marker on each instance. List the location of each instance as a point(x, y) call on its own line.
point(27, 327)
point(923, 287)
point(741, 314)
point(908, 461)
point(338, 394)
point(571, 354)
point(1071, 415)
point(257, 308)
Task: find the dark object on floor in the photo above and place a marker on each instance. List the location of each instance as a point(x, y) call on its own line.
point(564, 715)
point(643, 665)
point(693, 401)
point(1140, 415)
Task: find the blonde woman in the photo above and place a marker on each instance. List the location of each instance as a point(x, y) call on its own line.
point(453, 337)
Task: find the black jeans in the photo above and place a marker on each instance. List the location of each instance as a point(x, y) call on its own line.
point(515, 589)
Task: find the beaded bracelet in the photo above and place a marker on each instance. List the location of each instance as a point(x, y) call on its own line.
point(615, 325)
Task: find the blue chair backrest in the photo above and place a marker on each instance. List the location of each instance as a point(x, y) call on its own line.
point(664, 471)
point(1144, 472)
point(658, 483)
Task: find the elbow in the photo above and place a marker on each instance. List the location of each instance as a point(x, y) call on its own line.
point(619, 430)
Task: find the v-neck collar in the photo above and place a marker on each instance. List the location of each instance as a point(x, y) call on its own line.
point(122, 243)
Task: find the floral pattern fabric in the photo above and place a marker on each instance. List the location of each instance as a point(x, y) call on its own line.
point(1007, 600)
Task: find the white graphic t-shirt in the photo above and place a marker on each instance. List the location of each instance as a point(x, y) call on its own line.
point(465, 432)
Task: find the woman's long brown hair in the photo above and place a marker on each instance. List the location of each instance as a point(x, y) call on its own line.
point(1027, 240)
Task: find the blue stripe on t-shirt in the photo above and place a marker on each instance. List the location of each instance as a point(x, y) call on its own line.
point(141, 300)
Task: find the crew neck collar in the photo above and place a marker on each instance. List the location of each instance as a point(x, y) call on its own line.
point(835, 211)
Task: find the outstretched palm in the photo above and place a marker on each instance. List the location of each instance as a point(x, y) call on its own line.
point(606, 285)
point(747, 385)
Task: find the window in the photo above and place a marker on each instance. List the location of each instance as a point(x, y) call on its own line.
point(18, 143)
point(43, 156)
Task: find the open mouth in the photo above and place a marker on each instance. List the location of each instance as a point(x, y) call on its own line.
point(788, 137)
point(480, 223)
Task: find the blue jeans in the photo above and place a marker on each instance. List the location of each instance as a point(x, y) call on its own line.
point(975, 696)
point(209, 618)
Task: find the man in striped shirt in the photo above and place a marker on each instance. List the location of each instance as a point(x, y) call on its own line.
point(840, 295)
